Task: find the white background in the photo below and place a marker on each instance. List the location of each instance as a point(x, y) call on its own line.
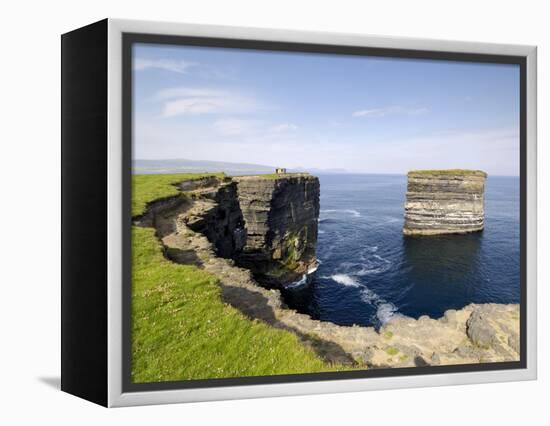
point(30, 197)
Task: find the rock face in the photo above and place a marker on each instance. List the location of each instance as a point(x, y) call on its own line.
point(217, 214)
point(444, 202)
point(281, 218)
point(265, 224)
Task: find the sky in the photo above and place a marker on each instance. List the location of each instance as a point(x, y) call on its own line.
point(324, 111)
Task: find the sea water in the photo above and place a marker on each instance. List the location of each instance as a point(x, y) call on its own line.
point(369, 271)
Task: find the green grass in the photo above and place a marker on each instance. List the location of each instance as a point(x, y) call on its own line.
point(146, 188)
point(449, 172)
point(392, 351)
point(275, 176)
point(272, 176)
point(388, 335)
point(182, 330)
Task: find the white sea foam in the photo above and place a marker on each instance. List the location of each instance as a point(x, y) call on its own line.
point(369, 270)
point(353, 212)
point(302, 281)
point(369, 296)
point(370, 264)
point(345, 279)
point(312, 269)
point(385, 312)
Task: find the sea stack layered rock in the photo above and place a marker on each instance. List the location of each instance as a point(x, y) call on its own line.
point(444, 202)
point(281, 214)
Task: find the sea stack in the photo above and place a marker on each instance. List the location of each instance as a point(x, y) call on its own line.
point(444, 202)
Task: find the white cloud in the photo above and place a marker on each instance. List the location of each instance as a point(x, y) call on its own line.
point(494, 150)
point(178, 66)
point(194, 101)
point(257, 128)
point(391, 110)
point(284, 127)
point(236, 127)
point(193, 106)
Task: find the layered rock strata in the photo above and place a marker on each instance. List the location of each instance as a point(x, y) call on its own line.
point(474, 334)
point(444, 202)
point(281, 216)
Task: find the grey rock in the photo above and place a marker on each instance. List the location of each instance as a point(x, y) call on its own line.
point(281, 217)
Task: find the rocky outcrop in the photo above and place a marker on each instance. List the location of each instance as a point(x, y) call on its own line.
point(281, 218)
point(216, 213)
point(474, 334)
point(444, 202)
point(267, 224)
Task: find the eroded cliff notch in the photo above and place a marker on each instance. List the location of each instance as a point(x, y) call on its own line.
point(444, 202)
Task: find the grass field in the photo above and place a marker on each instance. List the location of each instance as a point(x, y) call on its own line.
point(181, 330)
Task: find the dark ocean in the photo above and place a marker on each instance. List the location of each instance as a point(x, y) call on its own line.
point(369, 271)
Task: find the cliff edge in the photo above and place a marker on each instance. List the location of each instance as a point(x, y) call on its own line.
point(444, 202)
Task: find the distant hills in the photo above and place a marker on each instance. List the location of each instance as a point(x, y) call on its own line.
point(202, 166)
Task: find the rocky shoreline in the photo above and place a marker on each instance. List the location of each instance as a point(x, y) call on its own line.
point(473, 334)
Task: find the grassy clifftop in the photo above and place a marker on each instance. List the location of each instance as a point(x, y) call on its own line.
point(146, 188)
point(275, 176)
point(181, 329)
point(463, 172)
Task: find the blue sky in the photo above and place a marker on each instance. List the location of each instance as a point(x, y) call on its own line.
point(361, 114)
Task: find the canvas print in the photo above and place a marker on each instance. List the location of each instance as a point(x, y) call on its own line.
point(298, 212)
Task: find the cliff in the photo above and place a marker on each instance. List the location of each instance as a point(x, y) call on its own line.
point(281, 218)
point(444, 202)
point(267, 224)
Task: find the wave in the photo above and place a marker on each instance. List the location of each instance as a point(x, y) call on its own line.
point(370, 264)
point(377, 265)
point(345, 280)
point(384, 310)
point(369, 296)
point(353, 212)
point(327, 220)
point(312, 269)
point(302, 281)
